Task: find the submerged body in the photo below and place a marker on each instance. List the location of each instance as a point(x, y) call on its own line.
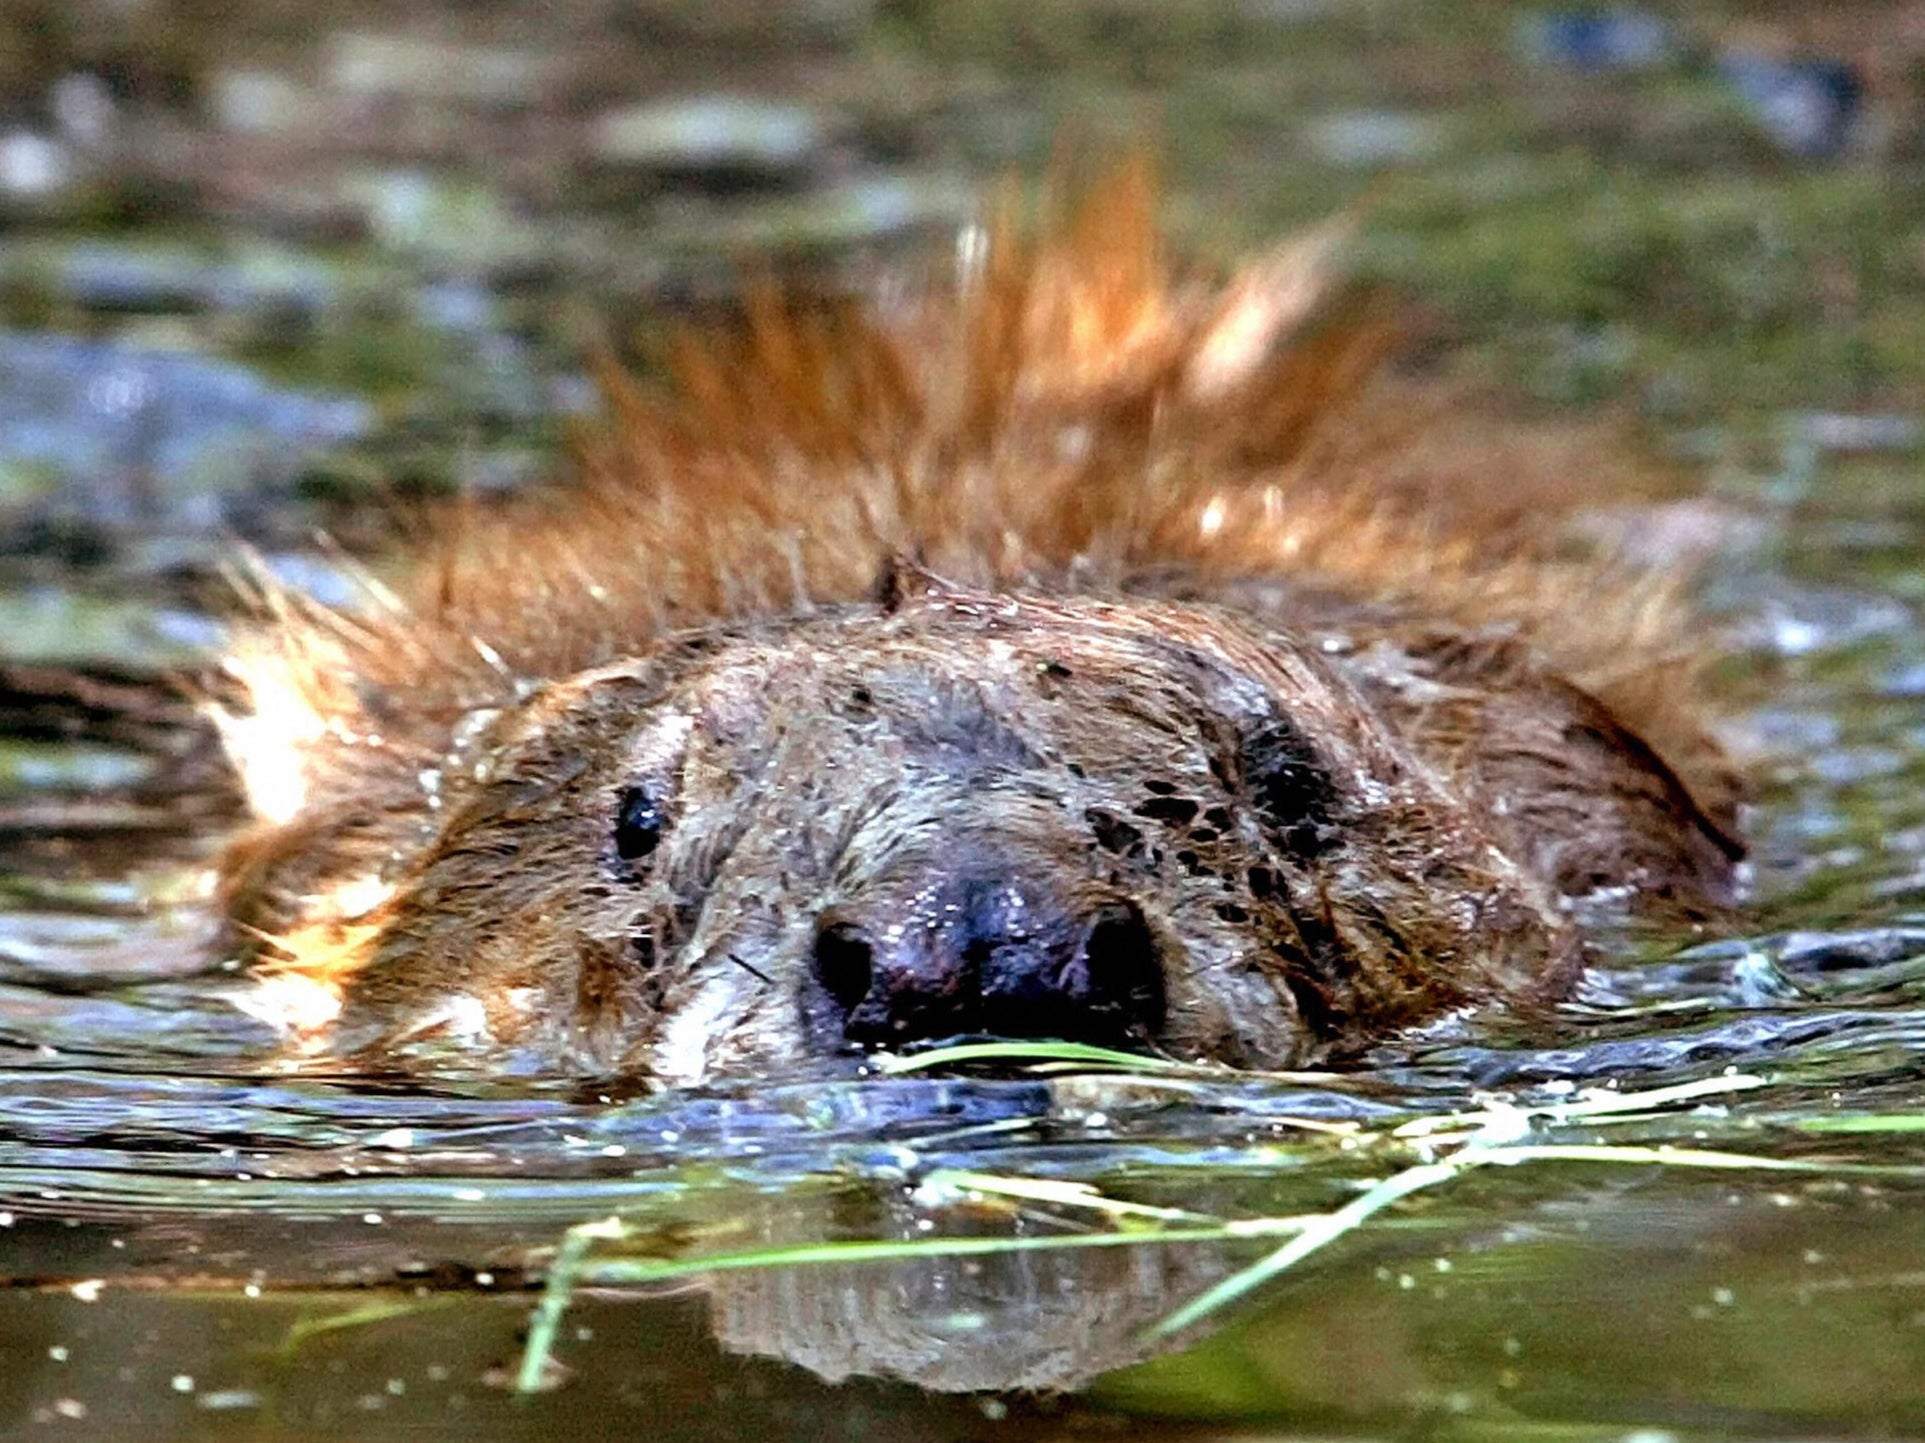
point(1076, 653)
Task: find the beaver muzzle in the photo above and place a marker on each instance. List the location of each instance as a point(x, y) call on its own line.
point(940, 953)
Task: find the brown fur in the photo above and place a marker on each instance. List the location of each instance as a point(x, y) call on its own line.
point(1071, 455)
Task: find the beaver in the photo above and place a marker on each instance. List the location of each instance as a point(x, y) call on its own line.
point(1070, 648)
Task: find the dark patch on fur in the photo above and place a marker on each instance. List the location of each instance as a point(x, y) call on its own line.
point(1294, 792)
point(1180, 810)
point(1113, 834)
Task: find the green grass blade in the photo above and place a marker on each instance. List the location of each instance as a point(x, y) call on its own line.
point(1318, 1233)
point(560, 1285)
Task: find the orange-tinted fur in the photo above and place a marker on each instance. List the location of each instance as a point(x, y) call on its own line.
point(1071, 416)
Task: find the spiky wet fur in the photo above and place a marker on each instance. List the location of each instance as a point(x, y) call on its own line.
point(1069, 418)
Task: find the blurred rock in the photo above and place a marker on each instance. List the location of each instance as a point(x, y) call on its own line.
point(1614, 38)
point(1797, 621)
point(1849, 434)
point(55, 625)
point(256, 102)
point(155, 279)
point(27, 766)
point(456, 306)
point(425, 68)
point(819, 220)
point(443, 216)
point(1812, 108)
point(155, 438)
point(1360, 138)
point(83, 107)
point(714, 133)
point(33, 166)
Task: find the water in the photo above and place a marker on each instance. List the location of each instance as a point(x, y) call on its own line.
point(203, 1243)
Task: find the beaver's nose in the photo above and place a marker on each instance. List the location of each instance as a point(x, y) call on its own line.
point(995, 958)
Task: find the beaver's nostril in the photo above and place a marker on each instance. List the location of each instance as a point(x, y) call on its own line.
point(1122, 970)
point(844, 963)
point(991, 958)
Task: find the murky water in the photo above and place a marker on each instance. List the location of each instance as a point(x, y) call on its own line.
point(203, 1244)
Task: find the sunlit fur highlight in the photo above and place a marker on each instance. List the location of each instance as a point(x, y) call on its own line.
point(1069, 412)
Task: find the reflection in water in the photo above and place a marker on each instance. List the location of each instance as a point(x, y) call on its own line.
point(1012, 1320)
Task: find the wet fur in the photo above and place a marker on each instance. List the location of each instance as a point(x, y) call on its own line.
point(1112, 531)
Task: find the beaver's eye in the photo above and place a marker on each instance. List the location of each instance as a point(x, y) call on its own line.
point(1290, 786)
point(638, 823)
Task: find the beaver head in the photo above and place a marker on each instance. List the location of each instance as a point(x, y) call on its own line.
point(1265, 708)
point(950, 813)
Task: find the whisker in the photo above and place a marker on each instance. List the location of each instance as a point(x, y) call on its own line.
point(751, 969)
